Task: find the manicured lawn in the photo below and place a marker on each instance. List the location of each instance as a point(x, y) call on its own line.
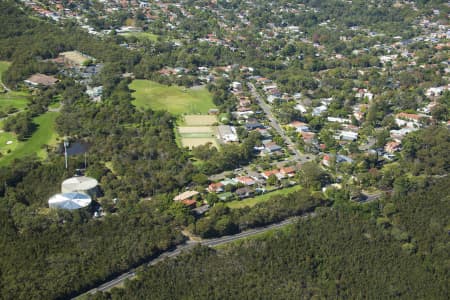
point(175, 99)
point(262, 198)
point(44, 135)
point(4, 138)
point(142, 35)
point(18, 100)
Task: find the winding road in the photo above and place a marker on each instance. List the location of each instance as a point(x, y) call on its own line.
point(189, 245)
point(209, 243)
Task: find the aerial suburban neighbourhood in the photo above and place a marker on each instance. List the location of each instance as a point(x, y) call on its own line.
point(138, 136)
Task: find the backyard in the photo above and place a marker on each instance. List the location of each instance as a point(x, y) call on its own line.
point(262, 198)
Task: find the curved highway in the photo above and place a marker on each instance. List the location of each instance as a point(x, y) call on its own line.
point(210, 243)
point(190, 244)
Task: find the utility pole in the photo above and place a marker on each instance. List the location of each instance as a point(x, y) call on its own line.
point(66, 144)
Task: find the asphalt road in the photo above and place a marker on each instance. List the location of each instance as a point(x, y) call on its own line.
point(298, 156)
point(273, 121)
point(210, 243)
point(190, 244)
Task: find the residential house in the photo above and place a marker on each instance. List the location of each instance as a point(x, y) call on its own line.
point(265, 134)
point(237, 86)
point(338, 120)
point(308, 137)
point(436, 91)
point(317, 111)
point(244, 192)
point(201, 210)
point(41, 80)
point(245, 180)
point(252, 125)
point(364, 93)
point(348, 135)
point(408, 120)
point(301, 108)
point(189, 202)
point(298, 124)
point(95, 93)
point(287, 171)
point(228, 181)
point(392, 147)
point(267, 174)
point(398, 135)
point(271, 147)
point(328, 158)
point(217, 187)
point(227, 134)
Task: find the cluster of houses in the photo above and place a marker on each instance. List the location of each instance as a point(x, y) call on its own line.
point(247, 114)
point(242, 186)
point(73, 64)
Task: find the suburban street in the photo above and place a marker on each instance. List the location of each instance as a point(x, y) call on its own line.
point(298, 156)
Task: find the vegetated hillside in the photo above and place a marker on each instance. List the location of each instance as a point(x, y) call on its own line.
point(341, 253)
point(47, 254)
point(27, 42)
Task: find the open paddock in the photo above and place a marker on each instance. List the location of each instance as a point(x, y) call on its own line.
point(199, 120)
point(175, 99)
point(194, 142)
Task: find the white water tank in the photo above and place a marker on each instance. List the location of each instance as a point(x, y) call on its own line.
point(69, 201)
point(81, 184)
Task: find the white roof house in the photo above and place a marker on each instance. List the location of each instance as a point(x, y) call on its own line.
point(227, 133)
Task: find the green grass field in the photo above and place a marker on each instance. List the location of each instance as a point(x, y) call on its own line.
point(197, 135)
point(5, 137)
point(14, 99)
point(44, 135)
point(175, 99)
point(262, 198)
point(17, 100)
point(142, 35)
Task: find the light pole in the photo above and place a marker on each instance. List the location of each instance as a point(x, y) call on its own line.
point(66, 144)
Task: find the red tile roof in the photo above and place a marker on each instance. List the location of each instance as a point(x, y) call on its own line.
point(189, 202)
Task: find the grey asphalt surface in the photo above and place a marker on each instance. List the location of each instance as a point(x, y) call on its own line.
point(273, 121)
point(189, 245)
point(298, 156)
point(207, 242)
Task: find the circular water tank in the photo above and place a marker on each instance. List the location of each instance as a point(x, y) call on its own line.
point(82, 184)
point(69, 201)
